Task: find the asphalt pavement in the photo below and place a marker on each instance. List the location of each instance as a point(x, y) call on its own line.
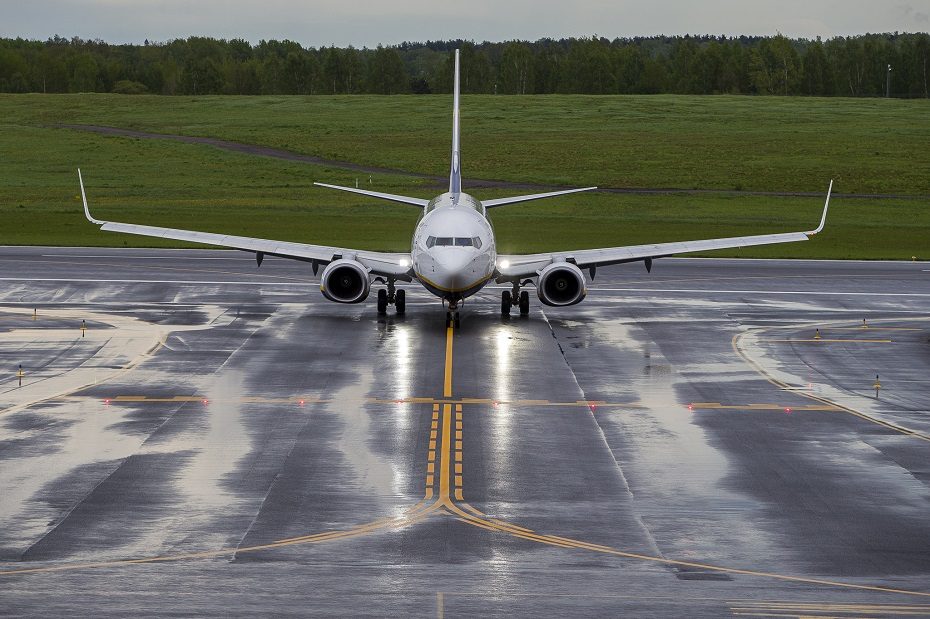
point(716, 438)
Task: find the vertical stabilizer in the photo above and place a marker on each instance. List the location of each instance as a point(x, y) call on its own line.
point(455, 177)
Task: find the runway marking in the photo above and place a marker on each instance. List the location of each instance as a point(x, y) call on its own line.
point(824, 340)
point(587, 405)
point(141, 257)
point(464, 512)
point(761, 407)
point(803, 609)
point(811, 293)
point(735, 344)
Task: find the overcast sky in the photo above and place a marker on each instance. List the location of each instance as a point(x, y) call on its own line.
point(369, 22)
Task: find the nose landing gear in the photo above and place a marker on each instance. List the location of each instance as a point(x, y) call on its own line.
point(452, 315)
point(515, 297)
point(391, 296)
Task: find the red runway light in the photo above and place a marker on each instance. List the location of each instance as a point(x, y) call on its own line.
point(787, 410)
point(205, 402)
point(301, 402)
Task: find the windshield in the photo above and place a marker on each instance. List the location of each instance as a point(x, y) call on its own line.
point(457, 241)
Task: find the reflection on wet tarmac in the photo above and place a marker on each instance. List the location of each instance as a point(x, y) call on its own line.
point(281, 443)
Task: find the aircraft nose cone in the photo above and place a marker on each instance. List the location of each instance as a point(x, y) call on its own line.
point(454, 269)
point(453, 262)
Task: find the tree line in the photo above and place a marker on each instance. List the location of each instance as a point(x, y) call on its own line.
point(854, 66)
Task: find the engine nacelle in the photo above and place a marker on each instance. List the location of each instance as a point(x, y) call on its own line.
point(561, 283)
point(345, 281)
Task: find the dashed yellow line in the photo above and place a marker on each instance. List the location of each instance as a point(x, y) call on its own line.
point(431, 453)
point(458, 452)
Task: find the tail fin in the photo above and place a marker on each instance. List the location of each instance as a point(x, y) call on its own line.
point(455, 177)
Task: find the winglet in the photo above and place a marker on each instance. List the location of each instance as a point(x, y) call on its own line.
point(84, 198)
point(826, 205)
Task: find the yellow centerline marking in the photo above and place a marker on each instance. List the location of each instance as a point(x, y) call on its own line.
point(470, 515)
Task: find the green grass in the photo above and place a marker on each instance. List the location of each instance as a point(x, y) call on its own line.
point(769, 144)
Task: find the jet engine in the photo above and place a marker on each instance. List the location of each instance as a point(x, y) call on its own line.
point(345, 281)
point(561, 283)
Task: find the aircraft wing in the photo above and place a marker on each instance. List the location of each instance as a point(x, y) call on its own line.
point(379, 263)
point(518, 267)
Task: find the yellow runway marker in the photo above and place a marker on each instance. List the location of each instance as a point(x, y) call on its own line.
point(832, 341)
point(466, 513)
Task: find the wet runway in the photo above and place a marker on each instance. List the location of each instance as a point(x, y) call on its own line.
point(707, 440)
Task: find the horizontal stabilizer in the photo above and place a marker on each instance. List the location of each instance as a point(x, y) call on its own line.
point(534, 196)
point(377, 194)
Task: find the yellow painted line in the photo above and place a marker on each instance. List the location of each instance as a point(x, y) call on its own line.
point(458, 445)
point(458, 456)
point(458, 435)
point(430, 467)
point(458, 468)
point(472, 509)
point(569, 543)
point(826, 340)
point(458, 481)
point(305, 400)
point(447, 383)
point(445, 453)
point(763, 407)
point(458, 494)
point(393, 523)
point(871, 328)
point(735, 344)
point(432, 445)
point(432, 435)
point(833, 608)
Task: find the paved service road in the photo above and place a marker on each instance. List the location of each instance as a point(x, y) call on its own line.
point(707, 440)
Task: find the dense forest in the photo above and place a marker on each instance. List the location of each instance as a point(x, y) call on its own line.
point(843, 66)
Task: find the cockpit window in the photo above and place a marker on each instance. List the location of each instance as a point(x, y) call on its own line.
point(449, 241)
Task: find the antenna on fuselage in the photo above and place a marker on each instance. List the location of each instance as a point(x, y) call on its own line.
point(455, 177)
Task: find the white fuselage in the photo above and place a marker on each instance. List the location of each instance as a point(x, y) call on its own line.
point(453, 250)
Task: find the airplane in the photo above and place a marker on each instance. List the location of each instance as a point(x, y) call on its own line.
point(453, 253)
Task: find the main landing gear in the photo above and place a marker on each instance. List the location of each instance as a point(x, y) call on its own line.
point(515, 297)
point(391, 296)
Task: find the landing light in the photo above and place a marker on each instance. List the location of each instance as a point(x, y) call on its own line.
point(504, 264)
point(404, 262)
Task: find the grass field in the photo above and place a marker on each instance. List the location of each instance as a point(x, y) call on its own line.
point(717, 143)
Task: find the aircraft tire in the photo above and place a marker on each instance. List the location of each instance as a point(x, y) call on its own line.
point(382, 301)
point(400, 301)
point(524, 303)
point(506, 303)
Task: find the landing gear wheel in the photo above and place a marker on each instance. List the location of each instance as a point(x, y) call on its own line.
point(382, 301)
point(400, 301)
point(456, 321)
point(524, 303)
point(448, 319)
point(506, 303)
